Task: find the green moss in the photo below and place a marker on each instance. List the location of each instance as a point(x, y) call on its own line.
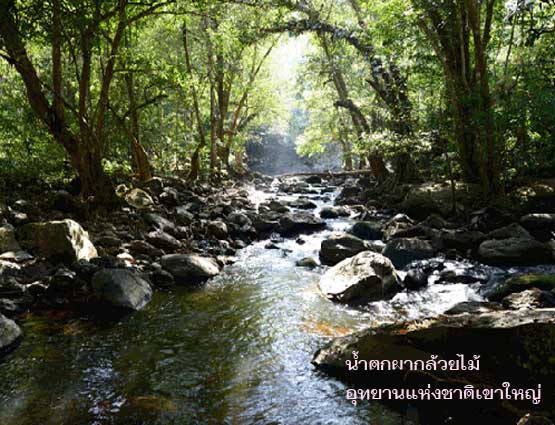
point(521, 283)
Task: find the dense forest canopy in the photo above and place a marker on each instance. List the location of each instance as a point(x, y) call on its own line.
point(452, 89)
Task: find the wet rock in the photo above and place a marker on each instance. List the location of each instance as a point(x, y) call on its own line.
point(303, 204)
point(415, 279)
point(367, 230)
point(368, 276)
point(9, 333)
point(218, 229)
point(265, 224)
point(521, 283)
point(473, 307)
point(515, 251)
point(307, 262)
point(163, 240)
point(121, 288)
point(64, 241)
point(349, 195)
point(190, 268)
point(403, 251)
point(138, 198)
point(292, 224)
point(465, 274)
point(396, 224)
point(271, 245)
point(340, 246)
point(329, 212)
point(276, 206)
point(8, 242)
point(530, 298)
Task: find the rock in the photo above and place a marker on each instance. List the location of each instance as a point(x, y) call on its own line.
point(538, 196)
point(183, 216)
point(159, 222)
point(416, 279)
point(7, 239)
point(190, 268)
point(239, 219)
point(403, 251)
point(313, 179)
point(542, 226)
point(163, 240)
point(121, 288)
point(303, 204)
point(340, 246)
point(307, 262)
point(169, 197)
point(271, 245)
point(436, 221)
point(521, 283)
point(138, 198)
point(293, 224)
point(466, 274)
point(162, 279)
point(265, 224)
point(513, 345)
point(64, 280)
point(514, 230)
point(473, 307)
point(108, 241)
point(143, 247)
point(396, 224)
point(349, 195)
point(155, 185)
point(65, 202)
point(9, 333)
point(490, 218)
point(64, 241)
point(534, 420)
point(367, 230)
point(514, 251)
point(460, 240)
point(329, 212)
point(530, 298)
point(367, 276)
point(218, 229)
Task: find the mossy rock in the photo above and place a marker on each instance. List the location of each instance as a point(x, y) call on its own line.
point(545, 282)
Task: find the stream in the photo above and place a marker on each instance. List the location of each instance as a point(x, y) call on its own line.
point(236, 351)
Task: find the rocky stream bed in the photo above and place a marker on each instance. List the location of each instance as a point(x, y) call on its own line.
point(244, 304)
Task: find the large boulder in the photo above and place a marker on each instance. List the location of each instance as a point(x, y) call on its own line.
point(396, 224)
point(190, 268)
point(366, 277)
point(293, 224)
point(513, 346)
point(9, 333)
point(542, 226)
point(538, 196)
point(121, 288)
point(340, 246)
point(367, 230)
point(459, 239)
point(139, 199)
point(7, 239)
point(64, 241)
point(402, 251)
point(515, 251)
